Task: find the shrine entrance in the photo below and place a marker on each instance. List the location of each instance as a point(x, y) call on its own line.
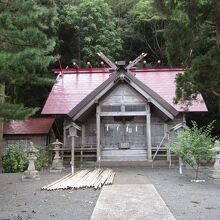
point(124, 138)
point(123, 133)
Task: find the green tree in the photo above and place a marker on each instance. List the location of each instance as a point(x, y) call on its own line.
point(192, 39)
point(86, 29)
point(15, 159)
point(191, 34)
point(27, 43)
point(194, 145)
point(146, 31)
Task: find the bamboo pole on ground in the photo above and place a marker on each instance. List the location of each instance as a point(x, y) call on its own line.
point(55, 182)
point(83, 179)
point(64, 184)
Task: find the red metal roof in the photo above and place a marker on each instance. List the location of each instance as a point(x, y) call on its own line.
point(75, 85)
point(29, 126)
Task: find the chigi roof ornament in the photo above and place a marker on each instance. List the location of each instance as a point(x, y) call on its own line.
point(107, 60)
point(119, 64)
point(137, 60)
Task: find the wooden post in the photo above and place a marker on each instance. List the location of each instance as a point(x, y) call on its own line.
point(98, 132)
point(184, 118)
point(83, 135)
point(167, 136)
point(148, 132)
point(83, 142)
point(64, 136)
point(72, 154)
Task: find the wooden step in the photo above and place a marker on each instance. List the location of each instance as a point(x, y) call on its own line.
point(124, 155)
point(85, 149)
point(84, 155)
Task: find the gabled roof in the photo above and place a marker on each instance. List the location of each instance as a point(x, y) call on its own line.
point(29, 126)
point(75, 85)
point(122, 74)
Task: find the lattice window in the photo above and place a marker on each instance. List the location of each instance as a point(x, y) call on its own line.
point(135, 108)
point(111, 108)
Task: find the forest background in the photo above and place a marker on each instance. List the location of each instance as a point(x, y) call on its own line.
point(179, 33)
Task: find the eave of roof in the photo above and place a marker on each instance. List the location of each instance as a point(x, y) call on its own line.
point(28, 126)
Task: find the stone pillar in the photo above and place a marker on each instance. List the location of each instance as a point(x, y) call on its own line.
point(216, 168)
point(31, 173)
point(57, 164)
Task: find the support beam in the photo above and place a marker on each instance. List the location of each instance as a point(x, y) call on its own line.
point(148, 132)
point(98, 123)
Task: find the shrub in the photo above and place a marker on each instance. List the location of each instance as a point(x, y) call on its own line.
point(14, 159)
point(194, 145)
point(43, 158)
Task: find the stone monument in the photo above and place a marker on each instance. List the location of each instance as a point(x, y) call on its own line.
point(57, 164)
point(31, 173)
point(215, 172)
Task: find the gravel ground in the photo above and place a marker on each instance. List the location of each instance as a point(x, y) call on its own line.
point(24, 200)
point(186, 200)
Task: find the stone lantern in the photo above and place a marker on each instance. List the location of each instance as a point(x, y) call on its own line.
point(31, 173)
point(216, 168)
point(57, 164)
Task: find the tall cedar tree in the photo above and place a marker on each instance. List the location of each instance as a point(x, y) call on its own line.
point(26, 45)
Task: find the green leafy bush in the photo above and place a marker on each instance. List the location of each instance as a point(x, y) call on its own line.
point(14, 159)
point(43, 158)
point(194, 145)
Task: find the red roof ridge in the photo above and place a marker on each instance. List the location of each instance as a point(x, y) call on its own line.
point(109, 70)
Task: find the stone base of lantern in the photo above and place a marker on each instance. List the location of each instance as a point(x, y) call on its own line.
point(215, 171)
point(57, 166)
point(30, 175)
point(215, 174)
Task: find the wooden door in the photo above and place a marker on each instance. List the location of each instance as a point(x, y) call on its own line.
point(123, 135)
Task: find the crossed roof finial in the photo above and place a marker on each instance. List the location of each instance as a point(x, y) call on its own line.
point(114, 67)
